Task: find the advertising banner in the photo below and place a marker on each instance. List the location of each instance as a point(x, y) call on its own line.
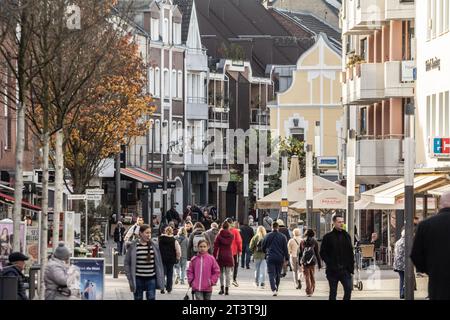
point(77, 227)
point(7, 240)
point(69, 233)
point(32, 245)
point(92, 277)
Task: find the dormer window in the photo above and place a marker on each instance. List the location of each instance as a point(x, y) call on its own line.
point(166, 31)
point(176, 33)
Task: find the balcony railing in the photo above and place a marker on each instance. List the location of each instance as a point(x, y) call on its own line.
point(260, 117)
point(199, 100)
point(218, 116)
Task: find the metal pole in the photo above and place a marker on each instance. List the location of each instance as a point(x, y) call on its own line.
point(309, 185)
point(351, 151)
point(261, 189)
point(152, 168)
point(117, 177)
point(164, 152)
point(245, 192)
point(284, 188)
point(86, 222)
point(409, 199)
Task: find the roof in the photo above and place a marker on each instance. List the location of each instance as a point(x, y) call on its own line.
point(25, 204)
point(314, 24)
point(224, 21)
point(185, 7)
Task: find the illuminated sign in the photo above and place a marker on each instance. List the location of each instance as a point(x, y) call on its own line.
point(441, 147)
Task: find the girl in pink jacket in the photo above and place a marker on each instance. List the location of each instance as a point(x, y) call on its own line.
point(203, 272)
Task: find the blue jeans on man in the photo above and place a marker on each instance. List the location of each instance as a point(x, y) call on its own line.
point(342, 276)
point(147, 284)
point(245, 256)
point(402, 284)
point(274, 269)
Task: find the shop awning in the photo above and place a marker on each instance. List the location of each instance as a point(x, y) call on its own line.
point(399, 204)
point(147, 178)
point(297, 192)
point(440, 191)
point(394, 190)
point(25, 205)
point(327, 199)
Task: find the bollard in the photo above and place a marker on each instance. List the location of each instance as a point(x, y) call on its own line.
point(8, 288)
point(33, 272)
point(115, 263)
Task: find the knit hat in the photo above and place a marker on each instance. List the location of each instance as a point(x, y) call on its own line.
point(61, 252)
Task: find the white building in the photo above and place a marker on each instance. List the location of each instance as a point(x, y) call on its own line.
point(433, 84)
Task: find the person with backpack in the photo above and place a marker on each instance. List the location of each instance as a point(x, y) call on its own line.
point(275, 247)
point(224, 256)
point(267, 222)
point(170, 254)
point(197, 234)
point(211, 235)
point(203, 272)
point(337, 253)
point(180, 267)
point(259, 256)
point(309, 257)
point(293, 248)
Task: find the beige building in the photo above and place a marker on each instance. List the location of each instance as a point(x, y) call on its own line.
point(310, 109)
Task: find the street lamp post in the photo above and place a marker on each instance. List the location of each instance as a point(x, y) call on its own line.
point(284, 188)
point(351, 151)
point(245, 191)
point(409, 199)
point(164, 147)
point(309, 185)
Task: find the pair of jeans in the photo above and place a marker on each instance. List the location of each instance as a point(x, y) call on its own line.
point(345, 278)
point(308, 272)
point(147, 284)
point(260, 272)
point(180, 269)
point(120, 247)
point(168, 274)
point(402, 284)
point(225, 272)
point(201, 295)
point(274, 270)
point(245, 256)
point(236, 267)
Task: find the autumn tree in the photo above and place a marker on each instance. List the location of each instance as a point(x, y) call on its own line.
point(116, 109)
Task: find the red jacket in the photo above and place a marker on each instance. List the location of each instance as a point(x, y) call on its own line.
point(236, 247)
point(222, 249)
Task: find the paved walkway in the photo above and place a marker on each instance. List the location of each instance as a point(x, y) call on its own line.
point(385, 288)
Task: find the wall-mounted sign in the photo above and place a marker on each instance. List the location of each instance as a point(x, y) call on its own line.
point(441, 148)
point(408, 70)
point(327, 162)
point(433, 63)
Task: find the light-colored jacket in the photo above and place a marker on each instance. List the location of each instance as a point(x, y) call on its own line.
point(183, 241)
point(211, 235)
point(293, 245)
point(130, 265)
point(133, 229)
point(55, 275)
point(399, 255)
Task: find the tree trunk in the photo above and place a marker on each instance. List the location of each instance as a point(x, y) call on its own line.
point(44, 215)
point(18, 184)
point(59, 181)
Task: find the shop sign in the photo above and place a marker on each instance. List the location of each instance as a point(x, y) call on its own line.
point(441, 147)
point(433, 63)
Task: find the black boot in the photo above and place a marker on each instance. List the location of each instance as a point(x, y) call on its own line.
point(226, 291)
point(221, 290)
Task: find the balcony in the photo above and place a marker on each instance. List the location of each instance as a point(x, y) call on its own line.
point(400, 9)
point(399, 79)
point(260, 120)
point(363, 84)
point(363, 16)
point(379, 157)
point(197, 108)
point(218, 118)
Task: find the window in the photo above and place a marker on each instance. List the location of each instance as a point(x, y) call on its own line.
point(166, 31)
point(154, 29)
point(157, 136)
point(441, 115)
point(189, 85)
point(433, 115)
point(141, 157)
point(433, 18)
point(429, 117)
point(174, 83)
point(440, 10)
point(447, 115)
point(429, 21)
point(298, 133)
point(180, 85)
point(150, 135)
point(446, 14)
point(176, 33)
point(157, 82)
point(139, 19)
point(151, 81)
point(166, 84)
point(180, 133)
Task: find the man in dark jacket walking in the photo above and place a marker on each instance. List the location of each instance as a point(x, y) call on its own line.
point(431, 251)
point(337, 252)
point(247, 234)
point(119, 237)
point(275, 247)
point(15, 269)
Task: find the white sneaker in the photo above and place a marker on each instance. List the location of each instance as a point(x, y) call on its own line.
point(275, 293)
